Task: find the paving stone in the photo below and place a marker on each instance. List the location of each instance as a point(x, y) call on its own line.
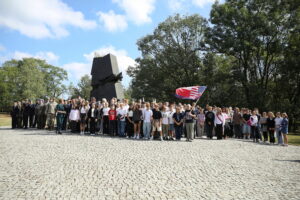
point(37, 164)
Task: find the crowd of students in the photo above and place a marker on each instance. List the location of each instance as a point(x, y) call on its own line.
point(144, 120)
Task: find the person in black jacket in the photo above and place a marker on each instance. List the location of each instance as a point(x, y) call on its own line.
point(14, 112)
point(271, 126)
point(209, 122)
point(67, 106)
point(26, 111)
point(31, 113)
point(92, 117)
point(20, 115)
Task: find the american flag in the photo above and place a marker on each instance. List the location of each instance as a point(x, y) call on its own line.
point(192, 92)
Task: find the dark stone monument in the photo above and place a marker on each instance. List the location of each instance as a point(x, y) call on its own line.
point(106, 78)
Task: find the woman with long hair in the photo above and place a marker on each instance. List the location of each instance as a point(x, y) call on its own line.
point(137, 116)
point(271, 126)
point(84, 108)
point(284, 128)
point(264, 127)
point(129, 122)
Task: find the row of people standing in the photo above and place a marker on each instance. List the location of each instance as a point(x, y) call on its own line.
point(167, 121)
point(26, 114)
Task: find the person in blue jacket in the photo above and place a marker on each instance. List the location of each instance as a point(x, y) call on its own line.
point(285, 128)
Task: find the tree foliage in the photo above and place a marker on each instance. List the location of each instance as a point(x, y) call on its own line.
point(169, 57)
point(29, 78)
point(247, 56)
point(83, 88)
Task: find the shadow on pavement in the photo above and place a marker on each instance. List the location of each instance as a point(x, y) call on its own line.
point(296, 161)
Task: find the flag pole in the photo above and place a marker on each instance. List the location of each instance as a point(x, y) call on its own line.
point(197, 101)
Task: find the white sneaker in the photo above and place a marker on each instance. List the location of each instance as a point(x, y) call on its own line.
point(138, 137)
point(151, 138)
point(161, 138)
point(127, 137)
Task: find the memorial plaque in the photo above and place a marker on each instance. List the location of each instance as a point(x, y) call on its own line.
point(106, 78)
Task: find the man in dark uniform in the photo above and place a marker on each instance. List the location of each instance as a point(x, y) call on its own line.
point(26, 111)
point(31, 114)
point(35, 116)
point(37, 113)
point(19, 115)
point(14, 112)
point(67, 107)
point(43, 114)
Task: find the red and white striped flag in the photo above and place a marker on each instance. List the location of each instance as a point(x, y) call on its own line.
point(192, 92)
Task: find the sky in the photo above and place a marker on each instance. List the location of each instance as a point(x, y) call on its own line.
point(67, 33)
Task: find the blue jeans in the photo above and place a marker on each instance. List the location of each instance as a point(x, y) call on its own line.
point(279, 135)
point(121, 128)
point(178, 132)
point(146, 129)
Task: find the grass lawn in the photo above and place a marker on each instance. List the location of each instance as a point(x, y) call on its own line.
point(294, 139)
point(5, 120)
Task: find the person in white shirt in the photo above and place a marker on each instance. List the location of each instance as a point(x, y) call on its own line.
point(171, 122)
point(147, 117)
point(254, 126)
point(121, 113)
point(74, 118)
point(165, 122)
point(125, 105)
point(219, 123)
point(105, 118)
point(278, 121)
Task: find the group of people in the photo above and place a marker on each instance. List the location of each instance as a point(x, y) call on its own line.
point(144, 120)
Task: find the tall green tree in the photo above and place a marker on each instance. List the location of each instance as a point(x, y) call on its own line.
point(254, 32)
point(29, 78)
point(83, 88)
point(169, 57)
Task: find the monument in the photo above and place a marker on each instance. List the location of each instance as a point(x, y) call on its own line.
point(106, 78)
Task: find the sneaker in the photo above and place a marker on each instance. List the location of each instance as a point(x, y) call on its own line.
point(161, 138)
point(92, 134)
point(151, 138)
point(127, 137)
point(138, 137)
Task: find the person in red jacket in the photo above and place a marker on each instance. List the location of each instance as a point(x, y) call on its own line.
point(112, 116)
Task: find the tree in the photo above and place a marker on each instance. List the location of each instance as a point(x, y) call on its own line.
point(29, 78)
point(254, 33)
point(83, 88)
point(170, 56)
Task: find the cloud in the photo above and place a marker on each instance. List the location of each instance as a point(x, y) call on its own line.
point(112, 22)
point(202, 3)
point(2, 48)
point(76, 70)
point(137, 12)
point(42, 18)
point(50, 57)
point(177, 5)
point(184, 5)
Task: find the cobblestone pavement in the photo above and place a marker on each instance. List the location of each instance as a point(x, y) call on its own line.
point(41, 165)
